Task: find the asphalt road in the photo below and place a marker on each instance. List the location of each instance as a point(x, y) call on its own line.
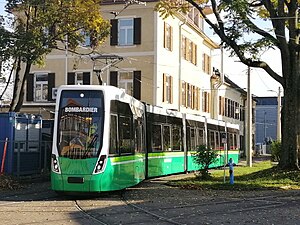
point(151, 202)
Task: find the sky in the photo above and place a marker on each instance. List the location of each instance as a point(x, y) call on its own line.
point(261, 83)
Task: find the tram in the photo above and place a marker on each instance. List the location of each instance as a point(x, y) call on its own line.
point(106, 140)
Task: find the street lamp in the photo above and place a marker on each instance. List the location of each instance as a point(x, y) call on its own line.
point(278, 113)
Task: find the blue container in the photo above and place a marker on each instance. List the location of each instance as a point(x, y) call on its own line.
point(7, 124)
point(23, 132)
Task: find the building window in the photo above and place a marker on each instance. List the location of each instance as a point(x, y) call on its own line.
point(167, 88)
point(41, 87)
point(183, 94)
point(126, 82)
point(206, 102)
point(189, 50)
point(168, 36)
point(78, 78)
point(206, 62)
point(221, 106)
point(86, 41)
point(189, 96)
point(125, 31)
point(194, 16)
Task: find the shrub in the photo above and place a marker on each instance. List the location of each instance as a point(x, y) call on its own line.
point(204, 157)
point(275, 151)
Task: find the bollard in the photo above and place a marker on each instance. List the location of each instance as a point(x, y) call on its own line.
point(231, 176)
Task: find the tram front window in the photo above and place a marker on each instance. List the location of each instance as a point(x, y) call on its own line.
point(80, 124)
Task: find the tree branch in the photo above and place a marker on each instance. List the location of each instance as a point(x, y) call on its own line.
point(219, 30)
point(261, 32)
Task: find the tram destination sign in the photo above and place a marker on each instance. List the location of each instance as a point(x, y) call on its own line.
point(81, 109)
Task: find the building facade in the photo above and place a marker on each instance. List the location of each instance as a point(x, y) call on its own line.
point(163, 62)
point(266, 119)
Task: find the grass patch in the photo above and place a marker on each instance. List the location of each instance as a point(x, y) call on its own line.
point(263, 175)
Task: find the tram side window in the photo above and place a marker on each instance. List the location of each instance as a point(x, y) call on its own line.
point(217, 140)
point(138, 136)
point(188, 141)
point(113, 135)
point(167, 138)
point(156, 138)
point(125, 135)
point(193, 138)
point(176, 138)
point(212, 140)
point(200, 137)
point(232, 141)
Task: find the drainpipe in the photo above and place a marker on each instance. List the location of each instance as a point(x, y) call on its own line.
point(179, 67)
point(216, 86)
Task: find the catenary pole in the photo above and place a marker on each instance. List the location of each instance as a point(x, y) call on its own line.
point(249, 123)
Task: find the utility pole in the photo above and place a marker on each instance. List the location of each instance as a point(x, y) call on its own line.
point(265, 127)
point(249, 123)
point(279, 115)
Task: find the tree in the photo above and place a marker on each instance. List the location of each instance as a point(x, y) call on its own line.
point(204, 157)
point(234, 23)
point(41, 26)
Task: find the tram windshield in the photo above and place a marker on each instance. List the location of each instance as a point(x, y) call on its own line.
point(80, 124)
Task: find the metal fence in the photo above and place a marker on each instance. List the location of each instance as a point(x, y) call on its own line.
point(21, 158)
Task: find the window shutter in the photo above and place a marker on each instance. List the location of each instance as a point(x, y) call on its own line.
point(71, 78)
point(199, 99)
point(137, 84)
point(29, 88)
point(171, 38)
point(194, 52)
point(193, 96)
point(114, 32)
point(51, 85)
point(86, 78)
point(208, 102)
point(114, 78)
point(171, 88)
point(164, 88)
point(137, 31)
point(208, 64)
point(203, 62)
point(223, 106)
point(185, 94)
point(165, 35)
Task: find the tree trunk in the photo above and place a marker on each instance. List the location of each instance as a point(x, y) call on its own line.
point(22, 88)
point(16, 85)
point(291, 115)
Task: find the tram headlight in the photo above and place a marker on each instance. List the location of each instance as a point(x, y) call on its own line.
point(100, 164)
point(55, 166)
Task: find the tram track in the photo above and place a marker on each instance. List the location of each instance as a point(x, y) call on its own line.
point(159, 217)
point(89, 215)
point(125, 207)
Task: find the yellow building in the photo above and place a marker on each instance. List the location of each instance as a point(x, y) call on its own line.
point(163, 62)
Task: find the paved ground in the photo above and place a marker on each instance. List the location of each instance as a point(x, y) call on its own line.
point(151, 202)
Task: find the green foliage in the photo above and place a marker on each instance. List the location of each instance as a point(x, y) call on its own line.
point(39, 26)
point(204, 157)
point(276, 151)
point(263, 175)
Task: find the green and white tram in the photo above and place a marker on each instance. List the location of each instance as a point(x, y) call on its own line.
point(106, 140)
point(98, 142)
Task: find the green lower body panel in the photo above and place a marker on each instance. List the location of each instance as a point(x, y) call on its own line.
point(165, 163)
point(192, 166)
point(119, 173)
